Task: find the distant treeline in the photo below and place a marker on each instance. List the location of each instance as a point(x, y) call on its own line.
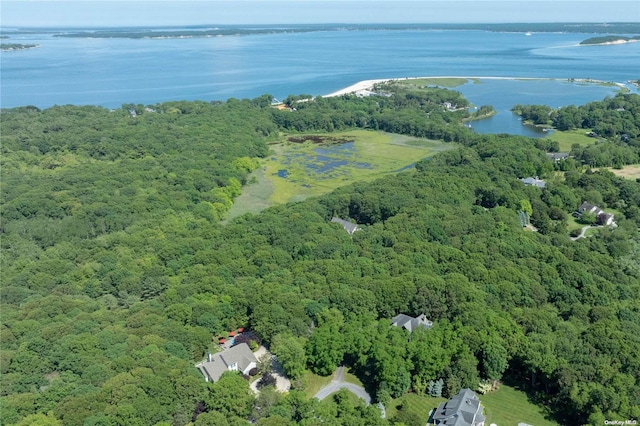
point(228, 30)
point(182, 33)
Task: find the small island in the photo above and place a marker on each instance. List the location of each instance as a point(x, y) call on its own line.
point(14, 46)
point(612, 39)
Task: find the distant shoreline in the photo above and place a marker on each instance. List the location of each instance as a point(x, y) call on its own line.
point(367, 85)
point(15, 47)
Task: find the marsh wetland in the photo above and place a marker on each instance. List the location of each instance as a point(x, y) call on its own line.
point(302, 166)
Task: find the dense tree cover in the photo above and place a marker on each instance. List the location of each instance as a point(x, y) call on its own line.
point(432, 113)
point(104, 326)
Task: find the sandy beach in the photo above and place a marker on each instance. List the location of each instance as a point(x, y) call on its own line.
point(367, 85)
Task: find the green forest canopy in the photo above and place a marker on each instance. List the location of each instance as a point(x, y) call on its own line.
point(116, 273)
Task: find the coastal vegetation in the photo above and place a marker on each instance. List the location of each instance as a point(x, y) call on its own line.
point(613, 123)
point(611, 39)
point(118, 275)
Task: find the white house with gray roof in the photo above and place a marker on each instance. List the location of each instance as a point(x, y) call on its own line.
point(463, 409)
point(534, 181)
point(411, 323)
point(238, 358)
point(350, 227)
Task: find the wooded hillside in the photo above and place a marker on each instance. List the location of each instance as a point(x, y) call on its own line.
point(116, 274)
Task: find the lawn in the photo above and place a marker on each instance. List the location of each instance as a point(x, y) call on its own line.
point(301, 170)
point(419, 405)
point(508, 407)
point(350, 378)
point(313, 383)
point(572, 223)
point(568, 138)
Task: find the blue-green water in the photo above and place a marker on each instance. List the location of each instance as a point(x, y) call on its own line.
point(111, 72)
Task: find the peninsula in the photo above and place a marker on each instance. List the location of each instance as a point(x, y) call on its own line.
point(364, 86)
point(612, 39)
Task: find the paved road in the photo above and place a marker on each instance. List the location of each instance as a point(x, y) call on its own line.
point(338, 383)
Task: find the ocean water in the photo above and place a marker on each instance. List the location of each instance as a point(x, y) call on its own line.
point(111, 72)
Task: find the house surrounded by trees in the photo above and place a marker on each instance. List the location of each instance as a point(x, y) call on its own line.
point(602, 218)
point(238, 358)
point(411, 323)
point(350, 227)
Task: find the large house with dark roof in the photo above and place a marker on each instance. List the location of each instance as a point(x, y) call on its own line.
point(411, 323)
point(463, 409)
point(602, 217)
point(238, 358)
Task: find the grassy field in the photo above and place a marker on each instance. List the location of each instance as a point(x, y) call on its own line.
point(301, 170)
point(631, 171)
point(508, 407)
point(570, 137)
point(255, 196)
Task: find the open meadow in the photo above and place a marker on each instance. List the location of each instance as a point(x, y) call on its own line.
point(631, 171)
point(570, 137)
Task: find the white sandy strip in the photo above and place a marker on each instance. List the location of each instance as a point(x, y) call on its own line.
point(368, 84)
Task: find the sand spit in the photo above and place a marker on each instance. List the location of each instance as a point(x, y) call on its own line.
point(367, 85)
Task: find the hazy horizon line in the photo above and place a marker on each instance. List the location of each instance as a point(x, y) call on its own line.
point(319, 24)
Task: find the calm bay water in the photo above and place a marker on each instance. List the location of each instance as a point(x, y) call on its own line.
point(110, 72)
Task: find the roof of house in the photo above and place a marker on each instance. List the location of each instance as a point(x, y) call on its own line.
point(411, 323)
point(462, 409)
point(557, 155)
point(586, 207)
point(238, 357)
point(534, 181)
point(348, 226)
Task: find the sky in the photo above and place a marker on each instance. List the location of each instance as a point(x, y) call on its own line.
point(92, 13)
